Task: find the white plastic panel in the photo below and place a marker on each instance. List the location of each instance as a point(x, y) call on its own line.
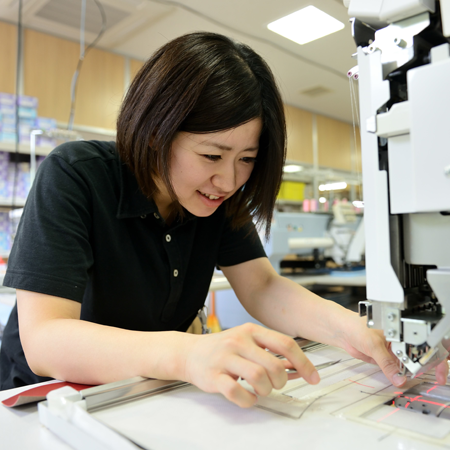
point(445, 16)
point(382, 282)
point(402, 182)
point(378, 12)
point(394, 10)
point(426, 239)
point(429, 97)
point(366, 11)
point(439, 280)
point(395, 122)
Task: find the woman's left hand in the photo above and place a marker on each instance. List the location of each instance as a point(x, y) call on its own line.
point(370, 346)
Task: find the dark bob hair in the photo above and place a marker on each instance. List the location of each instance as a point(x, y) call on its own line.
point(202, 83)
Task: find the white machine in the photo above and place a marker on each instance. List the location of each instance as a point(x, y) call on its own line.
point(302, 234)
point(347, 231)
point(315, 238)
point(404, 87)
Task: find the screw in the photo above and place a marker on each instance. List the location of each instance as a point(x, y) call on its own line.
point(391, 333)
point(400, 42)
point(447, 171)
point(405, 359)
point(391, 317)
point(399, 353)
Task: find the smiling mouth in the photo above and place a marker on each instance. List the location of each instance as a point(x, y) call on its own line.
point(210, 196)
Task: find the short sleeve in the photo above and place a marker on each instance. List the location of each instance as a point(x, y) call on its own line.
point(239, 245)
point(51, 253)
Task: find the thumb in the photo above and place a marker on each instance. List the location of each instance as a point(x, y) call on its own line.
point(389, 364)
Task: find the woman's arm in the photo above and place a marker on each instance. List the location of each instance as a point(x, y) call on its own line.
point(60, 345)
point(286, 306)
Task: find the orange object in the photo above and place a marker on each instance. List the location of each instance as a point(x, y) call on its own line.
point(212, 322)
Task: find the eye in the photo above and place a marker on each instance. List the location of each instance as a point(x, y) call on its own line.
point(212, 157)
point(249, 160)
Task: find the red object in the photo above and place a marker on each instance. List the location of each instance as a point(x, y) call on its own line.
point(36, 394)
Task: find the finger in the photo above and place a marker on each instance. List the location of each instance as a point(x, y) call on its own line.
point(388, 363)
point(234, 392)
point(442, 372)
point(305, 368)
point(287, 347)
point(288, 366)
point(254, 374)
point(273, 366)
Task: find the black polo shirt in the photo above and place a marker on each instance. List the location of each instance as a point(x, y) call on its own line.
point(88, 234)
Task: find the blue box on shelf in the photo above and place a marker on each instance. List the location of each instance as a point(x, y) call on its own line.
point(7, 99)
point(27, 112)
point(7, 109)
point(45, 123)
point(8, 119)
point(28, 102)
point(7, 137)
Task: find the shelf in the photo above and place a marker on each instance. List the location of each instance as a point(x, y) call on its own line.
point(6, 202)
point(289, 202)
point(24, 149)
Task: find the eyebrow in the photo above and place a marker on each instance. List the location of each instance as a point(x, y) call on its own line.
point(225, 147)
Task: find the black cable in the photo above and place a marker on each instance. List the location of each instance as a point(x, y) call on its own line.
point(252, 36)
point(18, 76)
point(80, 63)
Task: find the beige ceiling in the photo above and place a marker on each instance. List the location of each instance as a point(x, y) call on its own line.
point(140, 26)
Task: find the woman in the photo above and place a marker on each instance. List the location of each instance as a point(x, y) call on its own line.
point(118, 242)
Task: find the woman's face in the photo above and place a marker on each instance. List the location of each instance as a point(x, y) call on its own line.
point(207, 169)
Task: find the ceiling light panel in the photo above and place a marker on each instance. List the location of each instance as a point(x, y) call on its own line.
point(292, 168)
point(306, 25)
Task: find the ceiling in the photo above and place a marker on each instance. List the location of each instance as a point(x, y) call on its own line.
point(311, 76)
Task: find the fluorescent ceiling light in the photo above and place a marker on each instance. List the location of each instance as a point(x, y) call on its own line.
point(333, 186)
point(358, 204)
point(322, 200)
point(306, 25)
point(291, 168)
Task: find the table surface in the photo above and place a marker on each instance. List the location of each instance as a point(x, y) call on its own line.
point(21, 429)
point(219, 282)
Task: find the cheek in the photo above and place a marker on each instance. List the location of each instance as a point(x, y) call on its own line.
point(244, 175)
point(185, 177)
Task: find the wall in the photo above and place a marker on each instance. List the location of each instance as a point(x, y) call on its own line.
point(49, 64)
point(8, 50)
point(338, 143)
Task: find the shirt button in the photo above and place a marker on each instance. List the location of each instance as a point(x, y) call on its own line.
point(175, 273)
point(156, 216)
point(168, 237)
point(143, 216)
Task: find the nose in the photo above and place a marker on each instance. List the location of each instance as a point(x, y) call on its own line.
point(225, 178)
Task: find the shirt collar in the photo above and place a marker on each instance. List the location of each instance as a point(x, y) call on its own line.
point(132, 202)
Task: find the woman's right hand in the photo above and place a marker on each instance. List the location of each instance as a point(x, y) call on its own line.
point(216, 361)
